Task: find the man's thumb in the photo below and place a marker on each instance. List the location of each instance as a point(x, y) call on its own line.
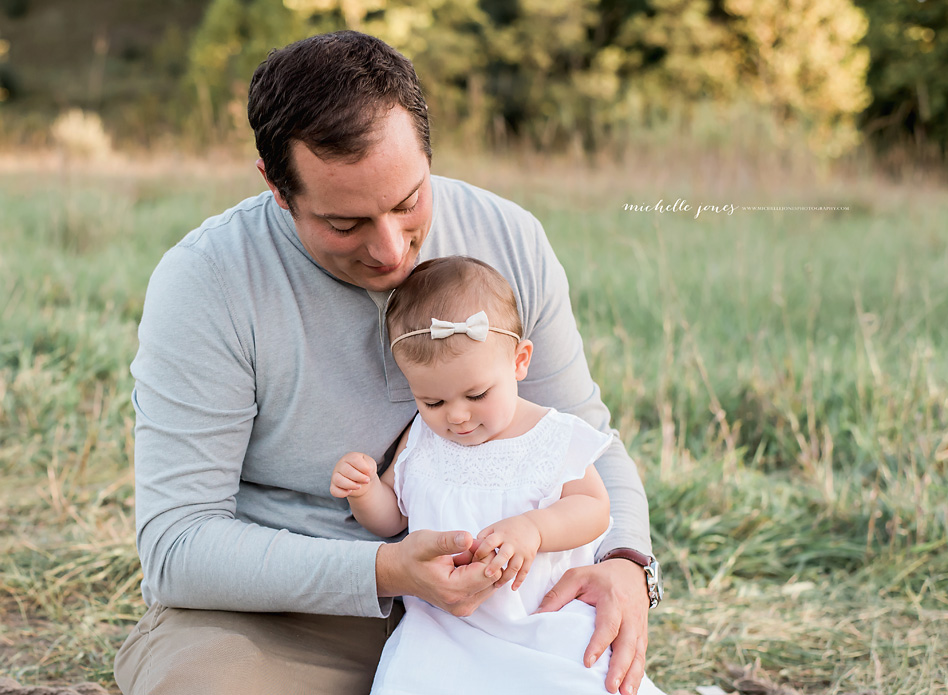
point(453, 542)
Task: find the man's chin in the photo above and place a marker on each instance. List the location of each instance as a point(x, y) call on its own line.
point(384, 280)
point(382, 284)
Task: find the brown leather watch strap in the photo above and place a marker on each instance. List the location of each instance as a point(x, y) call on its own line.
point(640, 559)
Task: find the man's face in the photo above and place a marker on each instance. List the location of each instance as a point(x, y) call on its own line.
point(364, 222)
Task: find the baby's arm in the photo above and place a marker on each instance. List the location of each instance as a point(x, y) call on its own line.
point(371, 498)
point(580, 516)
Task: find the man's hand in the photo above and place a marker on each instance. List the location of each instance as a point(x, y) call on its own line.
point(617, 589)
point(353, 475)
point(516, 541)
point(437, 567)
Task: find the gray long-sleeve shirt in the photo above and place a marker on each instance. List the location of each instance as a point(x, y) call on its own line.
point(257, 371)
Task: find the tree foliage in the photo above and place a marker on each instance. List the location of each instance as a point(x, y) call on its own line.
point(908, 73)
point(229, 44)
point(7, 81)
point(556, 72)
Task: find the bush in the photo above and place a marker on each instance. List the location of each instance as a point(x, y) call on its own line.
point(80, 133)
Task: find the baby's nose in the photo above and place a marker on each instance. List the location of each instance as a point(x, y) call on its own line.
point(458, 415)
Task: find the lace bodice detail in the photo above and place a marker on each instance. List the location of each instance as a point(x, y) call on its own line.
point(557, 449)
point(534, 459)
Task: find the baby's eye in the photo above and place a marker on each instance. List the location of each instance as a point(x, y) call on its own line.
point(436, 404)
point(478, 396)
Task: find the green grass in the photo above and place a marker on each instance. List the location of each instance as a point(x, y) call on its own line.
point(779, 378)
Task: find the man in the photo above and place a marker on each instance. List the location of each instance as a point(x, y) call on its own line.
point(263, 358)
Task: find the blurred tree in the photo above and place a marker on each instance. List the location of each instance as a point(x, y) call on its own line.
point(555, 72)
point(14, 9)
point(233, 38)
point(804, 62)
point(799, 60)
point(908, 72)
point(8, 87)
point(448, 41)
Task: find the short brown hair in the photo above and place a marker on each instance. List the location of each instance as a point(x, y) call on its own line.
point(451, 289)
point(328, 92)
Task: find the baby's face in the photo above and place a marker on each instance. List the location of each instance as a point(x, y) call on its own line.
point(472, 398)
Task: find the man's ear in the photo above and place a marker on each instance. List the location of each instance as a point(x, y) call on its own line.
point(276, 193)
point(524, 352)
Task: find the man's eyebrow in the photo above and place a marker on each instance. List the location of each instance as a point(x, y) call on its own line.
point(332, 216)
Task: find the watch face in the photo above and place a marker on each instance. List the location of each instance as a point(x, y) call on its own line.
point(656, 587)
point(659, 581)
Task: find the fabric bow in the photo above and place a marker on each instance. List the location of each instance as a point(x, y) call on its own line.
point(476, 327)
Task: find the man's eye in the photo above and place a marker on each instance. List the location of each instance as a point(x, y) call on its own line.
point(409, 205)
point(342, 226)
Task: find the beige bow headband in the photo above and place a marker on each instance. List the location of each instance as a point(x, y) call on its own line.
point(476, 328)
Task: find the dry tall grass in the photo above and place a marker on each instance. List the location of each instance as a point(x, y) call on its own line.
point(777, 376)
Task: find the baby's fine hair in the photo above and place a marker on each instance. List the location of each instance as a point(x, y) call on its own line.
point(452, 288)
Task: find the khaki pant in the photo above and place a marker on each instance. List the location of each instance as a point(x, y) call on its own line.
point(189, 652)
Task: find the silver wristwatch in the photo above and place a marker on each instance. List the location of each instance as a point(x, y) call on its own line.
point(653, 572)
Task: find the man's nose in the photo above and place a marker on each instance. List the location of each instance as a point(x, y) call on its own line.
point(387, 246)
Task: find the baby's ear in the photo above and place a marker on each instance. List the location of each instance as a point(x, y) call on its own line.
point(522, 355)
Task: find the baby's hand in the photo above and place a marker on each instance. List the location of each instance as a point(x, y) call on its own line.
point(353, 475)
point(516, 541)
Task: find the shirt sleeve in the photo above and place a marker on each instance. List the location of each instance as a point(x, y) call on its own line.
point(195, 405)
point(559, 377)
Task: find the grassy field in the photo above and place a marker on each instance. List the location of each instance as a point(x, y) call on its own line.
point(779, 376)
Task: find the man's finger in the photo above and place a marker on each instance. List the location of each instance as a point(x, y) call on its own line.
point(623, 653)
point(466, 557)
point(467, 607)
point(444, 543)
point(564, 591)
point(633, 678)
point(605, 632)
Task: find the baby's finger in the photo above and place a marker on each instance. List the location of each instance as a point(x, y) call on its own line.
point(513, 567)
point(363, 464)
point(347, 482)
point(487, 547)
point(504, 554)
point(355, 475)
point(485, 533)
point(522, 574)
point(337, 490)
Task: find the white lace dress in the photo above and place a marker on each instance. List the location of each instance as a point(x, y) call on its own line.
point(503, 647)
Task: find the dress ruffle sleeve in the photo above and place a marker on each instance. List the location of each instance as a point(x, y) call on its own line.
point(586, 445)
point(399, 482)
